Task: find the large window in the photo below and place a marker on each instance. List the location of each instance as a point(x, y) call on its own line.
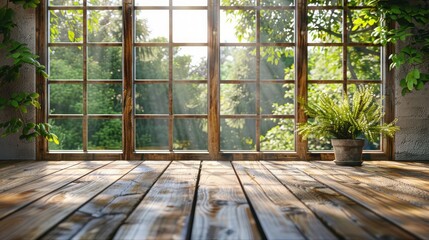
point(207, 79)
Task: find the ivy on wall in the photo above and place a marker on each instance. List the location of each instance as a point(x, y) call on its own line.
point(18, 55)
point(412, 19)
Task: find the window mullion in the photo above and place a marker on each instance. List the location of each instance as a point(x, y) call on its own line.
point(85, 77)
point(258, 79)
point(127, 117)
point(170, 78)
point(214, 79)
point(345, 42)
point(301, 72)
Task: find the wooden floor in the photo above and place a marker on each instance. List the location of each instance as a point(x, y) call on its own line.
point(213, 200)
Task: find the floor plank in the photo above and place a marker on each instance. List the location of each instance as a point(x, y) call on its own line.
point(102, 216)
point(32, 174)
point(166, 210)
point(34, 220)
point(280, 213)
point(16, 198)
point(25, 172)
point(398, 211)
point(344, 216)
point(222, 211)
point(410, 177)
point(379, 183)
point(213, 200)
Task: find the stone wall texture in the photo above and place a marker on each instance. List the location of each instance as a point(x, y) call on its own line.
point(11, 147)
point(412, 110)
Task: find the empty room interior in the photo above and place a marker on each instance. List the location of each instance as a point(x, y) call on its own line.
point(214, 119)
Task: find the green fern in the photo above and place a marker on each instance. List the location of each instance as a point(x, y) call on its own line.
point(349, 118)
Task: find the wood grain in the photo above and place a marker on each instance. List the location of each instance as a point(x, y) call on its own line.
point(222, 211)
point(239, 200)
point(387, 186)
point(166, 210)
point(280, 213)
point(33, 167)
point(411, 177)
point(21, 175)
point(411, 218)
point(102, 216)
point(17, 198)
point(344, 216)
point(32, 221)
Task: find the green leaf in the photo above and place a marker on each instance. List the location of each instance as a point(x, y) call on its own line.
point(23, 109)
point(420, 85)
point(14, 103)
point(403, 83)
point(71, 35)
point(395, 10)
point(410, 85)
point(34, 95)
point(416, 73)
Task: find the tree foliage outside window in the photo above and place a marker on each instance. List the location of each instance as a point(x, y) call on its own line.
point(236, 63)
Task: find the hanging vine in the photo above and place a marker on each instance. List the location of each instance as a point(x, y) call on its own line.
point(17, 55)
point(411, 29)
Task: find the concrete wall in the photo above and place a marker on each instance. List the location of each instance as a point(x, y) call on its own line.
point(412, 110)
point(11, 147)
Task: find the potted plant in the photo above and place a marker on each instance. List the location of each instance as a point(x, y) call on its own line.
point(346, 122)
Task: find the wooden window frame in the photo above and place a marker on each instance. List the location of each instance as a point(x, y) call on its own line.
point(213, 83)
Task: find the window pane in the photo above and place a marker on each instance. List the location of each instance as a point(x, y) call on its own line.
point(237, 63)
point(104, 63)
point(65, 26)
point(190, 134)
point(190, 63)
point(237, 99)
point(190, 98)
point(333, 90)
point(65, 99)
point(151, 99)
point(361, 24)
point(151, 2)
point(325, 26)
point(152, 134)
point(238, 2)
point(190, 26)
point(105, 26)
point(277, 26)
point(65, 63)
point(277, 99)
point(65, 2)
point(151, 63)
point(189, 2)
point(365, 63)
point(237, 134)
point(277, 2)
point(277, 63)
point(325, 63)
point(104, 134)
point(324, 2)
point(277, 134)
point(104, 3)
point(237, 26)
point(69, 132)
point(105, 98)
point(361, 2)
point(152, 25)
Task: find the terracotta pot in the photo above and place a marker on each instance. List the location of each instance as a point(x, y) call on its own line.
point(348, 152)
